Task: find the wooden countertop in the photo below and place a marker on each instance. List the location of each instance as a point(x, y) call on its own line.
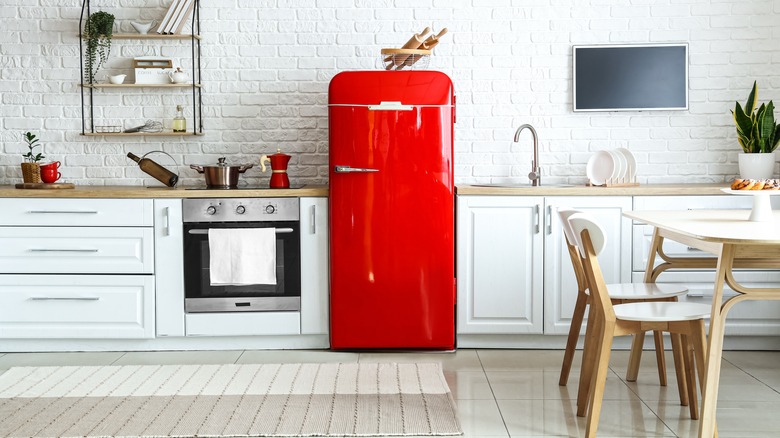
point(9, 191)
point(641, 190)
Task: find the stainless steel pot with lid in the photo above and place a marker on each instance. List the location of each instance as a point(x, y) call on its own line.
point(221, 176)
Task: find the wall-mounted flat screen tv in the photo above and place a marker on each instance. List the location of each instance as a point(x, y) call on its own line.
point(630, 77)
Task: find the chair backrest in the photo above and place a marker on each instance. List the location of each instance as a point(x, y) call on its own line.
point(591, 240)
point(571, 243)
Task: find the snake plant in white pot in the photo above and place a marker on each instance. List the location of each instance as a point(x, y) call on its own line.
point(759, 136)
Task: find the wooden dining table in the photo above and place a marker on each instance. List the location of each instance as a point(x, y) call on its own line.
point(736, 242)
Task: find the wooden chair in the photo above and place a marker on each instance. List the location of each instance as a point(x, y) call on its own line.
point(619, 293)
point(608, 321)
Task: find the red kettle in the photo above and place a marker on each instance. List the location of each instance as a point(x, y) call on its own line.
point(279, 179)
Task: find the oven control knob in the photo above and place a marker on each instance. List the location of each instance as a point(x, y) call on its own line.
point(211, 210)
point(270, 209)
point(240, 209)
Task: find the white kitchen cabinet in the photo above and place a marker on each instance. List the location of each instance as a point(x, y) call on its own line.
point(76, 250)
point(514, 272)
point(499, 264)
point(750, 318)
point(76, 306)
point(560, 284)
point(76, 269)
point(85, 212)
point(169, 267)
point(314, 266)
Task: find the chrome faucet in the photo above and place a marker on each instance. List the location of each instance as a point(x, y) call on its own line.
point(536, 172)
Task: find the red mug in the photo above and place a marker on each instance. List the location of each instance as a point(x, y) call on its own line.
point(50, 174)
point(50, 167)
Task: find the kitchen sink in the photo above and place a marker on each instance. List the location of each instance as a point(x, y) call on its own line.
point(521, 185)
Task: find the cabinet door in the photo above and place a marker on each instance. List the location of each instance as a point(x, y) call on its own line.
point(560, 285)
point(76, 306)
point(169, 267)
point(499, 274)
point(314, 266)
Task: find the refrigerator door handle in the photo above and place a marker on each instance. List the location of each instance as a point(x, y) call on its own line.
point(348, 169)
point(390, 106)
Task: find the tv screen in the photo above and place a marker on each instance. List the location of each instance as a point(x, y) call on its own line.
point(630, 77)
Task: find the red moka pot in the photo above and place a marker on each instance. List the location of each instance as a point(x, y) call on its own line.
point(279, 179)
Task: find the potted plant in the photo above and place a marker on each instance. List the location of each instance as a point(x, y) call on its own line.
point(759, 136)
point(98, 31)
point(31, 168)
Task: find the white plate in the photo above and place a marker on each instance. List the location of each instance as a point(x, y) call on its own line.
point(600, 167)
point(620, 168)
point(630, 161)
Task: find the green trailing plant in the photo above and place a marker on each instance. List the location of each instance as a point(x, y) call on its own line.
point(98, 31)
point(757, 131)
point(31, 141)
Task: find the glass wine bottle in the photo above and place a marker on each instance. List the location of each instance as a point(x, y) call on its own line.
point(179, 122)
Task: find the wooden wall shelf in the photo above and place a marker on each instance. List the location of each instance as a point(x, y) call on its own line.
point(142, 85)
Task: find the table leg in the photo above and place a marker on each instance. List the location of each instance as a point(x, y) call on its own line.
point(711, 377)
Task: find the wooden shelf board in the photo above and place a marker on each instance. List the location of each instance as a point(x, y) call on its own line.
point(139, 134)
point(151, 36)
point(141, 86)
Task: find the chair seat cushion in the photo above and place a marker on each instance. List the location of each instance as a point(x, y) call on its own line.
point(639, 291)
point(662, 311)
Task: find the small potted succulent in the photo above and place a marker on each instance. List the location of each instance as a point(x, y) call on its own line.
point(31, 168)
point(758, 135)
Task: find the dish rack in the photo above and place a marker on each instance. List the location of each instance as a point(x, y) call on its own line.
point(410, 59)
point(618, 182)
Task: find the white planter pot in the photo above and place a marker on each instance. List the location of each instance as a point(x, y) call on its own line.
point(756, 166)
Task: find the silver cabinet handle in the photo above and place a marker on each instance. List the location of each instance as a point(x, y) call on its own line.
point(536, 223)
point(348, 169)
point(64, 298)
point(60, 212)
point(548, 219)
point(205, 231)
point(313, 219)
point(61, 250)
point(167, 226)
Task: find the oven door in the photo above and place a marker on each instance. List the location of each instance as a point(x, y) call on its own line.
point(201, 296)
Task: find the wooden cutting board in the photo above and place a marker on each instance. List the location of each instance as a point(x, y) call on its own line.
point(45, 186)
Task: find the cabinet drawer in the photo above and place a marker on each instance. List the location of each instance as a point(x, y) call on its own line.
point(76, 212)
point(69, 306)
point(53, 250)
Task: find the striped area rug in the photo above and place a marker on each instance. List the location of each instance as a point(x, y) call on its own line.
point(352, 399)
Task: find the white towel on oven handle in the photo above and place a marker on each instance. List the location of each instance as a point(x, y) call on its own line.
point(242, 256)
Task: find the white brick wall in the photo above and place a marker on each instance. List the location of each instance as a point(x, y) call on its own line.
point(267, 63)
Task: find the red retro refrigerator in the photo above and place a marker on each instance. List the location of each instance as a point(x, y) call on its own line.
point(392, 264)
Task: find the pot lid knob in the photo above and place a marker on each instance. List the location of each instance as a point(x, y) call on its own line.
point(221, 162)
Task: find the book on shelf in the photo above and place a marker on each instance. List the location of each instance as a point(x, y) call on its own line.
point(182, 19)
point(179, 9)
point(168, 14)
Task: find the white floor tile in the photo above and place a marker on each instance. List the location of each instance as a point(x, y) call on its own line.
point(297, 356)
point(480, 418)
point(178, 357)
point(469, 385)
point(513, 360)
point(460, 360)
point(9, 360)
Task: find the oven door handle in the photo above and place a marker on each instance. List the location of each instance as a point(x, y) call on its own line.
point(206, 231)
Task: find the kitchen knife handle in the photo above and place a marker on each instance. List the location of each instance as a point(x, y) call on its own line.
point(348, 169)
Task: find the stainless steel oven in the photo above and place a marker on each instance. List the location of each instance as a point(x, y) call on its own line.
point(200, 215)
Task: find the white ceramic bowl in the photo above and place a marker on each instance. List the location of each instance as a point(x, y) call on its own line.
point(599, 168)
